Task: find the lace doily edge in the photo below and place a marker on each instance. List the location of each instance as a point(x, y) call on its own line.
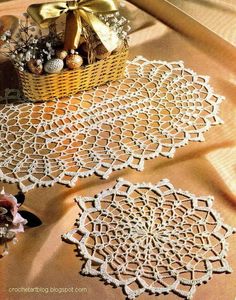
point(89, 260)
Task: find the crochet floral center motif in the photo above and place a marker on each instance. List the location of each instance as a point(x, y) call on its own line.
point(157, 108)
point(151, 238)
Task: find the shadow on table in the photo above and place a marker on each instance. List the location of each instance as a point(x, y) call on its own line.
point(9, 84)
point(8, 76)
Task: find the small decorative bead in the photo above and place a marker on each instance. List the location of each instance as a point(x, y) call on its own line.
point(54, 65)
point(62, 54)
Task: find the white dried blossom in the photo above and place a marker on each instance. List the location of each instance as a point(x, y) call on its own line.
point(3, 37)
point(8, 33)
point(117, 23)
point(5, 253)
point(39, 62)
point(28, 56)
point(3, 231)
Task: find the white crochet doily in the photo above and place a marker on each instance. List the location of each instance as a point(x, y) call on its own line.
point(151, 238)
point(158, 107)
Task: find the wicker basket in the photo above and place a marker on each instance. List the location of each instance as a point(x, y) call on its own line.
point(69, 82)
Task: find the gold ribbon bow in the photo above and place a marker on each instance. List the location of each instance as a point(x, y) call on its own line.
point(46, 13)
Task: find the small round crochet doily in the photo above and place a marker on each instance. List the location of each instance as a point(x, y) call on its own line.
point(151, 238)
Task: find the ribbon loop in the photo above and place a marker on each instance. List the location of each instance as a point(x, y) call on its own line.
point(45, 13)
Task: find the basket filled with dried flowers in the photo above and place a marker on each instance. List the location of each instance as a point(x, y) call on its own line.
point(54, 59)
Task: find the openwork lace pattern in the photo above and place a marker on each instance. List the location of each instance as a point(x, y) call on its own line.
point(158, 107)
point(151, 238)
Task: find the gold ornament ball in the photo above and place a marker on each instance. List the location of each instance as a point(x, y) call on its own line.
point(62, 54)
point(34, 67)
point(101, 52)
point(74, 61)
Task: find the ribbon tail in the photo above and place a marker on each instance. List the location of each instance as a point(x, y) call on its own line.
point(73, 30)
point(107, 36)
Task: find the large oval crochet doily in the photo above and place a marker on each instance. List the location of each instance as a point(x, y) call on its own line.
point(151, 238)
point(158, 107)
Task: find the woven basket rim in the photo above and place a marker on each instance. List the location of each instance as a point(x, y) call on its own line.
point(66, 70)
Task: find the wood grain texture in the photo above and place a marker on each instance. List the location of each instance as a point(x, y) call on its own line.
point(217, 15)
point(41, 259)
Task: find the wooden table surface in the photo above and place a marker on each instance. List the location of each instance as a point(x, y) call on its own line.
point(41, 259)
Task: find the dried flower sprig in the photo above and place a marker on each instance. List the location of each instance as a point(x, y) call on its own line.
point(118, 23)
point(29, 43)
